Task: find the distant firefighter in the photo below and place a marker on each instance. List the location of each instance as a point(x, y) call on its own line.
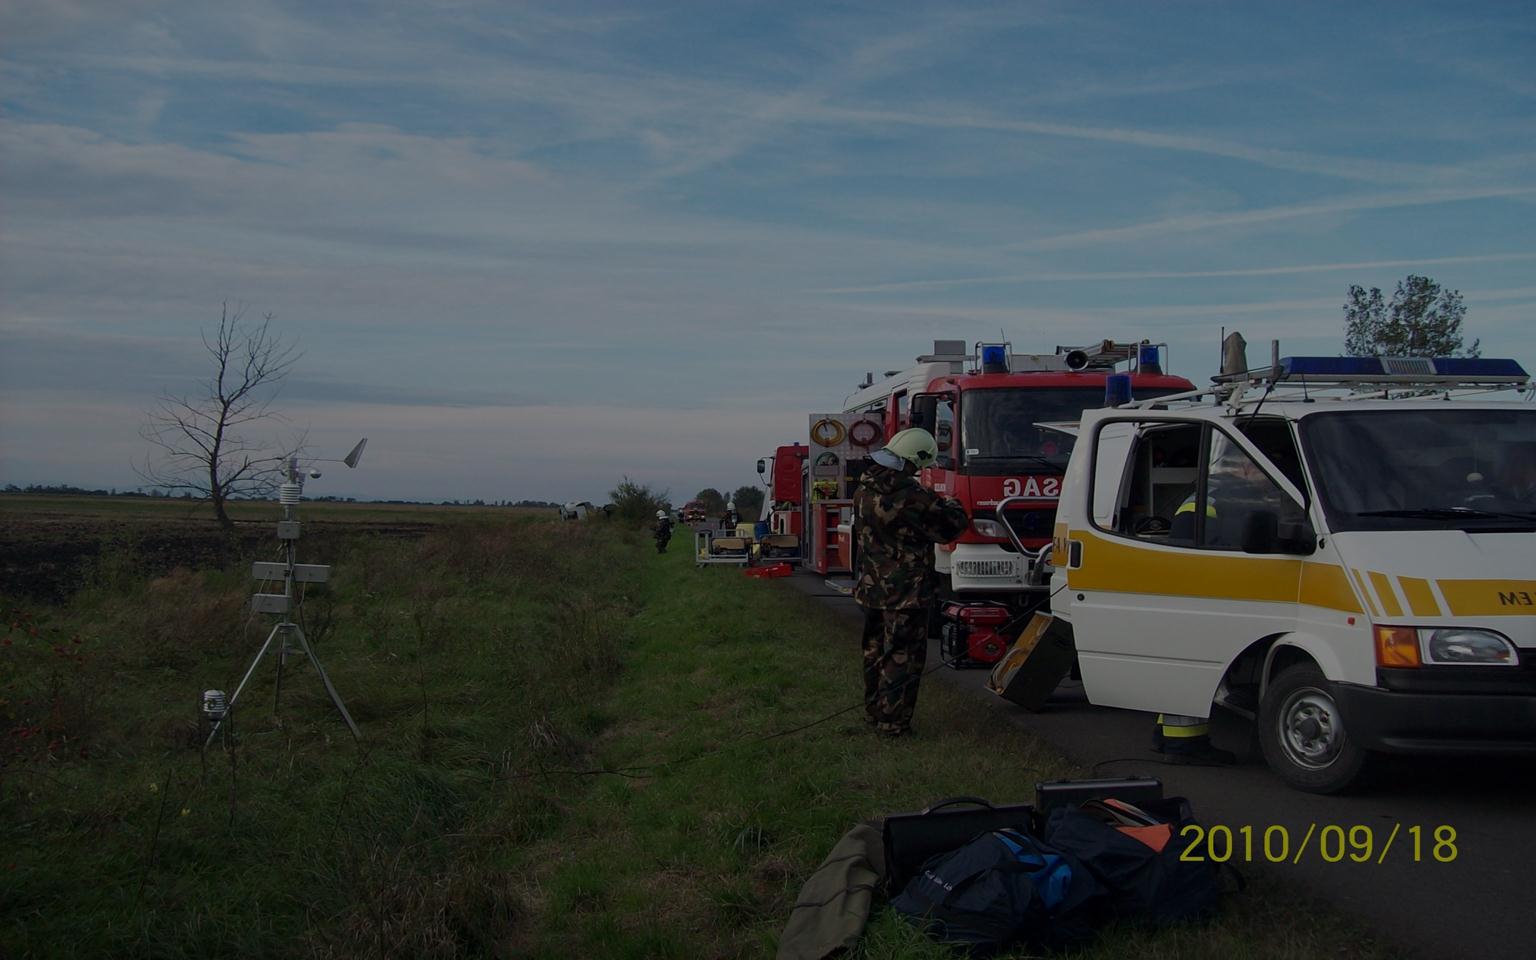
point(663, 530)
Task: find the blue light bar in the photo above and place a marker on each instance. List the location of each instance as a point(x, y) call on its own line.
point(1406, 369)
point(1328, 367)
point(994, 358)
point(1478, 367)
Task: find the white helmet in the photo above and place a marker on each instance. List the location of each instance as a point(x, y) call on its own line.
point(661, 514)
point(731, 505)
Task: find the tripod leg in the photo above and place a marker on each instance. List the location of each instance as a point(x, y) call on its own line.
point(243, 681)
point(326, 679)
point(282, 658)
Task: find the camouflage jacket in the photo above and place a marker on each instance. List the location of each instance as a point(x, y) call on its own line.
point(897, 521)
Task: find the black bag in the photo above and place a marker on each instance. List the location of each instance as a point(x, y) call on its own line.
point(1002, 887)
point(1144, 884)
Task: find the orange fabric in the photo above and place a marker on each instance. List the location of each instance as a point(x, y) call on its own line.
point(1155, 836)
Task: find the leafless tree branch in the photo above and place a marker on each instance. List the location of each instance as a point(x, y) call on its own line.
point(202, 442)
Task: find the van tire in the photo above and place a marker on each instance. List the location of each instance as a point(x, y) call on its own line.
point(1303, 734)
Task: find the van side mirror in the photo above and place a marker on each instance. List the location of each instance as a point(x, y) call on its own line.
point(762, 467)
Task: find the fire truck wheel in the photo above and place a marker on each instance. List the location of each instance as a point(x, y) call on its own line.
point(1303, 734)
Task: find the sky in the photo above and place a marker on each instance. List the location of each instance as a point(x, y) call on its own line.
point(529, 249)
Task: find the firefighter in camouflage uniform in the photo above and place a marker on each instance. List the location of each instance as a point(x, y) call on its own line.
point(897, 522)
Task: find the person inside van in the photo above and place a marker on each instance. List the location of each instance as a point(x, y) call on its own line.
point(1517, 475)
point(1235, 488)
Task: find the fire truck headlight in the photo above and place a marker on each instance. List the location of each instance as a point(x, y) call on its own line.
point(1468, 646)
point(989, 528)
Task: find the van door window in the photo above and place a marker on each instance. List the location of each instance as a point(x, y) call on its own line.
point(1109, 471)
point(1236, 500)
point(903, 417)
point(1272, 436)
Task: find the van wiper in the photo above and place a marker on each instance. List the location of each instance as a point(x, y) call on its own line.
point(1037, 458)
point(1447, 513)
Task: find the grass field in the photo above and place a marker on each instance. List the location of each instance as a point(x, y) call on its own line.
point(496, 664)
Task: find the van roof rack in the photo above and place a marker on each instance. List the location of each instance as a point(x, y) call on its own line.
point(1387, 371)
point(1356, 378)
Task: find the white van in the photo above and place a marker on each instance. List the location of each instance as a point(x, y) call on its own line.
point(1355, 571)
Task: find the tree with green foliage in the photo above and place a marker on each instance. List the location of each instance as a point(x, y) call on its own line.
point(635, 504)
point(1421, 320)
point(749, 502)
point(713, 501)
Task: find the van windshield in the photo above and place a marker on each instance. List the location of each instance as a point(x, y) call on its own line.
point(1469, 468)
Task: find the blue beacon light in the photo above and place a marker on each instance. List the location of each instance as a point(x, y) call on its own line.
point(1117, 389)
point(994, 358)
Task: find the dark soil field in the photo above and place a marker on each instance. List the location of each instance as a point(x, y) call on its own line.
point(51, 547)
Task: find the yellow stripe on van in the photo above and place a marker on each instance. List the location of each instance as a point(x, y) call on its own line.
point(1327, 585)
point(1472, 598)
point(1365, 592)
point(1421, 599)
point(1386, 594)
point(1128, 568)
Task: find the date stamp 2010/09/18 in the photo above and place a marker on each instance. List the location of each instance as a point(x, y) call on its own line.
point(1332, 843)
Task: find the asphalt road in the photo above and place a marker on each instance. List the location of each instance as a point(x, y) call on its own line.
point(1479, 904)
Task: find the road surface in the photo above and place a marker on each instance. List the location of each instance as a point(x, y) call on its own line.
point(1480, 904)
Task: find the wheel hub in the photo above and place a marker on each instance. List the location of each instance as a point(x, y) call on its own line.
point(1311, 732)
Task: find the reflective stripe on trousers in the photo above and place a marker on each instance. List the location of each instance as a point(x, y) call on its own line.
point(1179, 726)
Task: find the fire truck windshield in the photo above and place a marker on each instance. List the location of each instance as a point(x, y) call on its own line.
point(998, 433)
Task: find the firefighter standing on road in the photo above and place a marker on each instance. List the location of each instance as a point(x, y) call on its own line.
point(897, 522)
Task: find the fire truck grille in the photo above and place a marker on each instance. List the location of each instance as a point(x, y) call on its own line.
point(987, 568)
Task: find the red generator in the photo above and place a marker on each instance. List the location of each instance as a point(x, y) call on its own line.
point(974, 634)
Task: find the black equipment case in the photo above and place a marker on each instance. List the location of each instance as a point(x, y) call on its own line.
point(911, 838)
point(1070, 793)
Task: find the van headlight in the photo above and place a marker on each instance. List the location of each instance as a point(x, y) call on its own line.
point(1467, 646)
point(989, 528)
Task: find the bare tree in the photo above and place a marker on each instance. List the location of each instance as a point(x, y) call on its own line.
point(203, 440)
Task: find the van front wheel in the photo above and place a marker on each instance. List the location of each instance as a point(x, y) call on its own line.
point(1303, 736)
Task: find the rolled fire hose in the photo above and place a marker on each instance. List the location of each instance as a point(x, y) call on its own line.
point(837, 430)
point(864, 433)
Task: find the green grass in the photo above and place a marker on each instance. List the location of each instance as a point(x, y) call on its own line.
point(704, 857)
point(493, 664)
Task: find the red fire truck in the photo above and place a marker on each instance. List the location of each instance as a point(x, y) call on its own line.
point(984, 405)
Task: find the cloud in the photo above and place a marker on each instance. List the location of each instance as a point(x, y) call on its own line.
point(1132, 275)
point(1371, 170)
point(1215, 221)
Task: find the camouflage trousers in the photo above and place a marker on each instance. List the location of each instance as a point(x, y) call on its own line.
point(895, 649)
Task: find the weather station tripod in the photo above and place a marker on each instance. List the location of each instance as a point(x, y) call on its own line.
point(288, 636)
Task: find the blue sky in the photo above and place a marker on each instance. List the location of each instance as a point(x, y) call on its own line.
point(529, 248)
